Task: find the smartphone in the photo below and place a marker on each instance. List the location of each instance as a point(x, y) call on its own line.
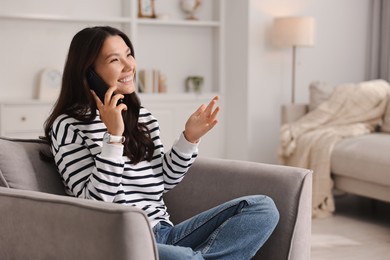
point(97, 84)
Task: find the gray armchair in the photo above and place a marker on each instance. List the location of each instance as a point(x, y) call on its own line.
point(38, 221)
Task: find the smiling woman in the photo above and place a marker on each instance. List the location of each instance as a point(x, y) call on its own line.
point(113, 152)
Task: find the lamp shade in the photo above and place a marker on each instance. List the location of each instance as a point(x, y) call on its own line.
point(294, 31)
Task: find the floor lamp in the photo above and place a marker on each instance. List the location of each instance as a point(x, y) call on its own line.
point(293, 32)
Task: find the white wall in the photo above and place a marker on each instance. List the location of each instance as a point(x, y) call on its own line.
point(339, 55)
point(237, 71)
point(258, 76)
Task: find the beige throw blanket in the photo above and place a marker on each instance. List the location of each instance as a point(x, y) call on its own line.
point(352, 110)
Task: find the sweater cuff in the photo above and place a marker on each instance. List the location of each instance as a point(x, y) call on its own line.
point(185, 146)
point(112, 151)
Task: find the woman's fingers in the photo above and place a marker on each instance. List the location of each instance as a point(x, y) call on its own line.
point(210, 106)
point(98, 102)
point(214, 114)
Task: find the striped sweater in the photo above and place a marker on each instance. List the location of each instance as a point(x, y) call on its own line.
point(96, 170)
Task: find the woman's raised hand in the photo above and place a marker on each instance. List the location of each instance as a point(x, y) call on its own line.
point(110, 112)
point(201, 121)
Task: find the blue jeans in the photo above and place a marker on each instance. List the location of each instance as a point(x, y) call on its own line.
point(233, 230)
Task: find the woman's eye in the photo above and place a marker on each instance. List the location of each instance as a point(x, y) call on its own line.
point(113, 60)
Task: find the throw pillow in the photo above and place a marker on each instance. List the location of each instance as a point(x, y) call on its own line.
point(319, 92)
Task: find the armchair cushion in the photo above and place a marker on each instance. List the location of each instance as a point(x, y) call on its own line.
point(18, 158)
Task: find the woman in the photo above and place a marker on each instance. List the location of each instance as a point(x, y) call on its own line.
point(111, 151)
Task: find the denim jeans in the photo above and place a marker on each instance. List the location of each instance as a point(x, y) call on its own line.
point(233, 230)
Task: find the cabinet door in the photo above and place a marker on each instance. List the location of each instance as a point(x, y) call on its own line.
point(23, 120)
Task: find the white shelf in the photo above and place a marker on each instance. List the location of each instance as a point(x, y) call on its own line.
point(14, 101)
point(62, 18)
point(140, 21)
point(176, 96)
point(157, 22)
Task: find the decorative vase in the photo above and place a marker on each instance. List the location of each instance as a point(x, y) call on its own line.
point(190, 7)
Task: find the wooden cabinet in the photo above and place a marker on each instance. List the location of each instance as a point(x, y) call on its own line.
point(23, 119)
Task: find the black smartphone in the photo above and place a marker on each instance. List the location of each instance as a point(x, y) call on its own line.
point(97, 84)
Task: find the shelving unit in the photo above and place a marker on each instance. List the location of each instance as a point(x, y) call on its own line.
point(64, 18)
point(123, 13)
point(145, 21)
point(39, 33)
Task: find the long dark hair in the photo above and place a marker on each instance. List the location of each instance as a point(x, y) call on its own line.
point(77, 101)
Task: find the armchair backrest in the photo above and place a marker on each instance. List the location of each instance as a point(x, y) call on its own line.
point(21, 166)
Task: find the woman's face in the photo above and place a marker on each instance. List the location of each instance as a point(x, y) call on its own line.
point(116, 65)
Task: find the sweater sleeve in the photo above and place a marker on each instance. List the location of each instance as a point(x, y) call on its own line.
point(174, 163)
point(177, 161)
point(85, 171)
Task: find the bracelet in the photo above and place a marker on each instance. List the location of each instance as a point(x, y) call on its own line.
point(109, 138)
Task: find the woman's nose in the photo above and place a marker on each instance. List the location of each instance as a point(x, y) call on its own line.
point(129, 65)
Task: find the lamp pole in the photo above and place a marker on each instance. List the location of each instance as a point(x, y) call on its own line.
point(294, 49)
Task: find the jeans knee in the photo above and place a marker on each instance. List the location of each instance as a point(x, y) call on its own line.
point(272, 210)
point(170, 252)
point(265, 206)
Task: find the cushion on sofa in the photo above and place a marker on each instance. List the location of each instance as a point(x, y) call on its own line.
point(20, 166)
point(386, 118)
point(364, 157)
point(319, 92)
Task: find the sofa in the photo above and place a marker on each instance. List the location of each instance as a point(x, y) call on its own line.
point(38, 221)
point(359, 165)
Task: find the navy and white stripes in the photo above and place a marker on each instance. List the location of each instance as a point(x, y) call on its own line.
point(95, 170)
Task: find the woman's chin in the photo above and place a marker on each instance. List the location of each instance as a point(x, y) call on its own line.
point(125, 90)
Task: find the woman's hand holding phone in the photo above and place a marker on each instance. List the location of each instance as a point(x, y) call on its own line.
point(110, 112)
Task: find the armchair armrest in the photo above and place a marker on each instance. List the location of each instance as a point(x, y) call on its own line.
point(292, 112)
point(213, 181)
point(35, 225)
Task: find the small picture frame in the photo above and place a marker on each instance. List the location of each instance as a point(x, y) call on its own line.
point(146, 9)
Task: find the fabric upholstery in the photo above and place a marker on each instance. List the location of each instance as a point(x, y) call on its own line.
point(319, 92)
point(292, 112)
point(3, 182)
point(39, 225)
point(364, 171)
point(22, 168)
point(231, 179)
point(309, 141)
point(362, 188)
point(386, 118)
point(364, 158)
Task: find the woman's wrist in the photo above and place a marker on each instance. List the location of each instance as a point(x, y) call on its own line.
point(189, 139)
point(113, 139)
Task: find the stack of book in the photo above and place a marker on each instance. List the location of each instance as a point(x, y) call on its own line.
point(151, 81)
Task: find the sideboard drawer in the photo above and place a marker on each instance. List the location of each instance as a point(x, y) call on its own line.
point(23, 118)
